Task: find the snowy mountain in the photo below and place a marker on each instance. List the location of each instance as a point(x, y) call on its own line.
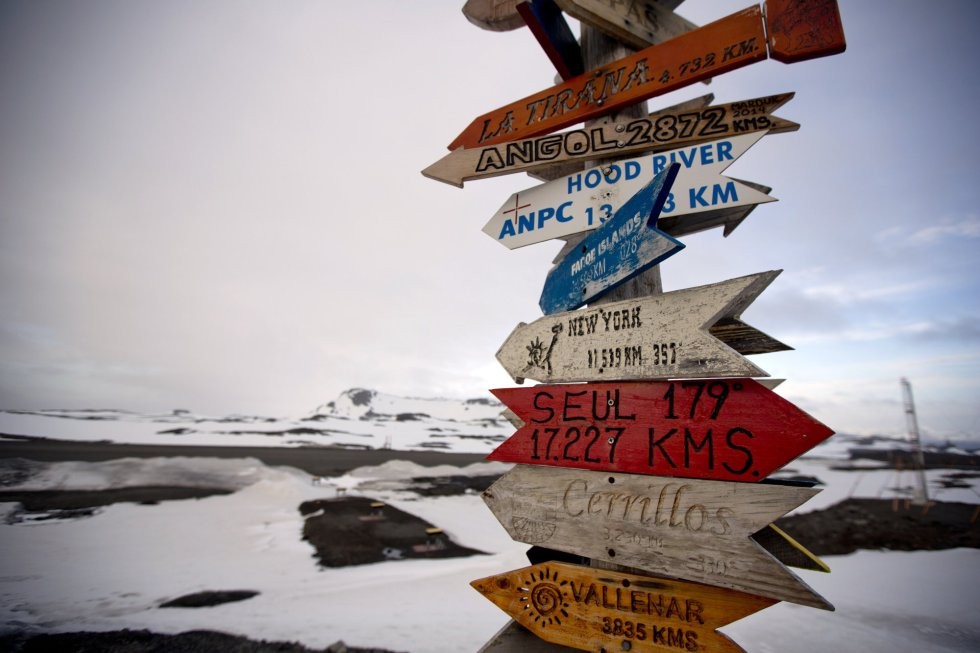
point(360, 403)
point(359, 418)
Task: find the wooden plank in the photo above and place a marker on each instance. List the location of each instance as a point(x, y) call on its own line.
point(687, 530)
point(493, 15)
point(661, 130)
point(561, 169)
point(787, 550)
point(544, 19)
point(745, 339)
point(804, 29)
point(732, 42)
point(626, 245)
point(600, 610)
point(638, 24)
point(667, 336)
point(583, 201)
point(718, 429)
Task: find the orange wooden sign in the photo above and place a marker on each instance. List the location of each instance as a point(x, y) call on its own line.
point(723, 45)
point(599, 610)
point(732, 42)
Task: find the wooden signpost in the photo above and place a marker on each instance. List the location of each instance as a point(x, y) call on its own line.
point(659, 131)
point(688, 529)
point(638, 24)
point(658, 461)
point(724, 45)
point(626, 245)
point(655, 337)
point(717, 429)
point(607, 610)
point(582, 201)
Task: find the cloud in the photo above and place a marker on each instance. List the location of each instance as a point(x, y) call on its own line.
point(844, 294)
point(967, 227)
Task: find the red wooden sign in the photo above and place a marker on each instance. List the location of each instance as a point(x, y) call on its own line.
point(720, 429)
point(801, 30)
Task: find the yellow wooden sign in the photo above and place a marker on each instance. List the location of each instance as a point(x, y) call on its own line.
point(600, 610)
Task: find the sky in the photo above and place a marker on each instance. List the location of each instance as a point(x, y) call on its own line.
point(218, 206)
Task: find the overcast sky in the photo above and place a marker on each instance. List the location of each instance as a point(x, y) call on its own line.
point(217, 205)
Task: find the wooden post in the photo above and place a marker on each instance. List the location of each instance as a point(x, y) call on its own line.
point(599, 49)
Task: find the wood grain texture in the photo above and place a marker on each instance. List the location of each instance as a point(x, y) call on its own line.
point(493, 15)
point(804, 29)
point(688, 530)
point(599, 610)
point(639, 24)
point(689, 333)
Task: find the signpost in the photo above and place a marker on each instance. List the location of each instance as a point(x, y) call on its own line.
point(626, 245)
point(582, 201)
point(605, 610)
point(655, 337)
point(686, 529)
point(658, 131)
point(659, 461)
point(718, 429)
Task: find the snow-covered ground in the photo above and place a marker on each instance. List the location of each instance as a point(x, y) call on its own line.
point(112, 570)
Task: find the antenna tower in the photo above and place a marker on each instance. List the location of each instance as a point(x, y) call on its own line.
point(921, 495)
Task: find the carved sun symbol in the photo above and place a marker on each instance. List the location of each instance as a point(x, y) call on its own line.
point(536, 351)
point(543, 596)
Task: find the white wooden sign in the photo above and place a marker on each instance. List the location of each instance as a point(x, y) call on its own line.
point(656, 337)
point(584, 200)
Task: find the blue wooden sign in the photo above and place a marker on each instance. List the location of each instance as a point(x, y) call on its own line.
point(624, 246)
point(545, 20)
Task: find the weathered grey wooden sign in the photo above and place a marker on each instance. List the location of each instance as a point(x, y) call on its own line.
point(686, 529)
point(656, 337)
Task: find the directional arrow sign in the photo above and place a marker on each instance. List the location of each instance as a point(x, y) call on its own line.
point(658, 131)
point(637, 26)
point(720, 429)
point(729, 218)
point(584, 200)
point(594, 609)
point(690, 530)
point(659, 336)
point(719, 47)
point(626, 245)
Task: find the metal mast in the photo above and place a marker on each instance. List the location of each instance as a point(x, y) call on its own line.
point(921, 494)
